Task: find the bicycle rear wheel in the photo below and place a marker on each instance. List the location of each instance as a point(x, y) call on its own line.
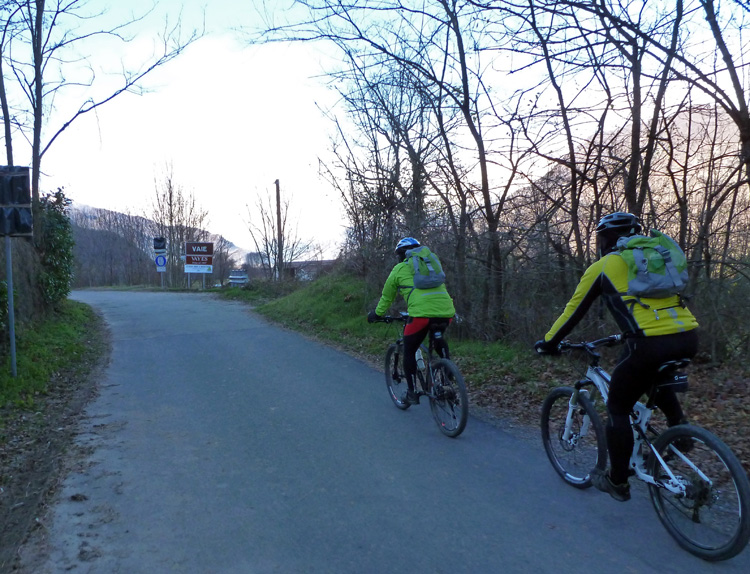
point(395, 379)
point(573, 458)
point(449, 401)
point(712, 519)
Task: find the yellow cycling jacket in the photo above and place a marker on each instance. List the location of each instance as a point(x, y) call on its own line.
point(434, 302)
point(609, 277)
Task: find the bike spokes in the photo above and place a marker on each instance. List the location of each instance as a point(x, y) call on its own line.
point(573, 437)
point(708, 516)
point(449, 399)
point(395, 379)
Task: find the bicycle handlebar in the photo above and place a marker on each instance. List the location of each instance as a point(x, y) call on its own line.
point(590, 346)
point(390, 319)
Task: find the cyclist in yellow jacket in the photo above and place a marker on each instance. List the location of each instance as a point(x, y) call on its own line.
point(426, 307)
point(656, 330)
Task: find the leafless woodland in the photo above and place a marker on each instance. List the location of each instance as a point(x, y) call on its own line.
point(499, 132)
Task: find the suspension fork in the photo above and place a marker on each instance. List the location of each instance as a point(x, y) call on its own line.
point(572, 406)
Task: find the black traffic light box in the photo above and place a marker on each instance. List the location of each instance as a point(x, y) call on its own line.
point(15, 202)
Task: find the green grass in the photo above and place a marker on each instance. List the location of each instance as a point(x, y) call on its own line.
point(334, 309)
point(58, 343)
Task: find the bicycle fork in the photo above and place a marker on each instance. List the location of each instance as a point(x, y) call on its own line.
point(568, 434)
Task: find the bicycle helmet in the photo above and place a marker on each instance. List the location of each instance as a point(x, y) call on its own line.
point(613, 226)
point(404, 245)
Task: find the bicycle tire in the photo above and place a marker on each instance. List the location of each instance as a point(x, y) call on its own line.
point(395, 379)
point(449, 401)
point(575, 458)
point(712, 521)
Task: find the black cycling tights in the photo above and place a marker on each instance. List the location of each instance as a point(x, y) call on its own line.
point(412, 342)
point(631, 378)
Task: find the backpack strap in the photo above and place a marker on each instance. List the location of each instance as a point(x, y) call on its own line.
point(669, 265)
point(641, 265)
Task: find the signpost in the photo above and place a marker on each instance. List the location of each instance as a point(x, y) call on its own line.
point(15, 221)
point(160, 251)
point(199, 258)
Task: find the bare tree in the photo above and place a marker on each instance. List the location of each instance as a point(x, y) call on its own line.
point(41, 49)
point(223, 260)
point(265, 233)
point(178, 219)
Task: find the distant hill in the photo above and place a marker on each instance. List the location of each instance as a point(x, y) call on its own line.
point(114, 248)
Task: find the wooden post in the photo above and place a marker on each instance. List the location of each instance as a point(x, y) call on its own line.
point(279, 235)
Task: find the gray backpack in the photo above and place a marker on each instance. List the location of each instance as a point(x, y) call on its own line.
point(428, 272)
point(657, 267)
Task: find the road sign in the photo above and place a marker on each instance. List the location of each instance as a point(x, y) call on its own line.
point(199, 268)
point(196, 248)
point(161, 263)
point(199, 257)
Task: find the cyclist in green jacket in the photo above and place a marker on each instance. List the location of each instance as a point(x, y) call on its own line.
point(426, 307)
point(656, 330)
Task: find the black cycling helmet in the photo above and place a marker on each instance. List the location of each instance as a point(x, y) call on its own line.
point(613, 226)
point(404, 245)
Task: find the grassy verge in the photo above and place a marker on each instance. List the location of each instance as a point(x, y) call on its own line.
point(39, 410)
point(57, 344)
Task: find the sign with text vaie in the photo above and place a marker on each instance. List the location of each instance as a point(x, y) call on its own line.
point(199, 257)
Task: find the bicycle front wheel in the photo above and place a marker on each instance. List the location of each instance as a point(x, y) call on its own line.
point(449, 401)
point(395, 378)
point(711, 519)
point(577, 452)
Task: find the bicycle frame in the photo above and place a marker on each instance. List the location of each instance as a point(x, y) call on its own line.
point(439, 380)
point(697, 485)
point(427, 385)
point(639, 421)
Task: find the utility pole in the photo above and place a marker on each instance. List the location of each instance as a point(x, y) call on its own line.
point(279, 235)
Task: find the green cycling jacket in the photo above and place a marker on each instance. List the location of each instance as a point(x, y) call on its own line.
point(434, 302)
point(608, 277)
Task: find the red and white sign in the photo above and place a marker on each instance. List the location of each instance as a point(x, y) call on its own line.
point(199, 257)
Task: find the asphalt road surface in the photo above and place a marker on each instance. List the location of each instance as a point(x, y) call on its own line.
point(220, 443)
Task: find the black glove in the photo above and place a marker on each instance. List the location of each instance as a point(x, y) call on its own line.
point(372, 316)
point(546, 348)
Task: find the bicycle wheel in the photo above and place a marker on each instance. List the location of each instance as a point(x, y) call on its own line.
point(449, 401)
point(573, 458)
point(395, 379)
point(712, 518)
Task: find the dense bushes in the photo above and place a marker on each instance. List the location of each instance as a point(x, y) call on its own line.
point(42, 268)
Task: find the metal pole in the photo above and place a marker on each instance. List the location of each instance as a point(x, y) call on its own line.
point(11, 311)
point(279, 234)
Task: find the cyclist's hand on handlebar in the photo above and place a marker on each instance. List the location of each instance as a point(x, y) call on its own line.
point(372, 317)
point(546, 348)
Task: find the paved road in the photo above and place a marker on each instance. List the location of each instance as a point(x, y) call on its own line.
point(222, 444)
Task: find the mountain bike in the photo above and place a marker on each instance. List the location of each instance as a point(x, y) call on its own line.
point(697, 486)
point(438, 379)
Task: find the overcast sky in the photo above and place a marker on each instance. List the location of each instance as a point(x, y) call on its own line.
point(229, 118)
